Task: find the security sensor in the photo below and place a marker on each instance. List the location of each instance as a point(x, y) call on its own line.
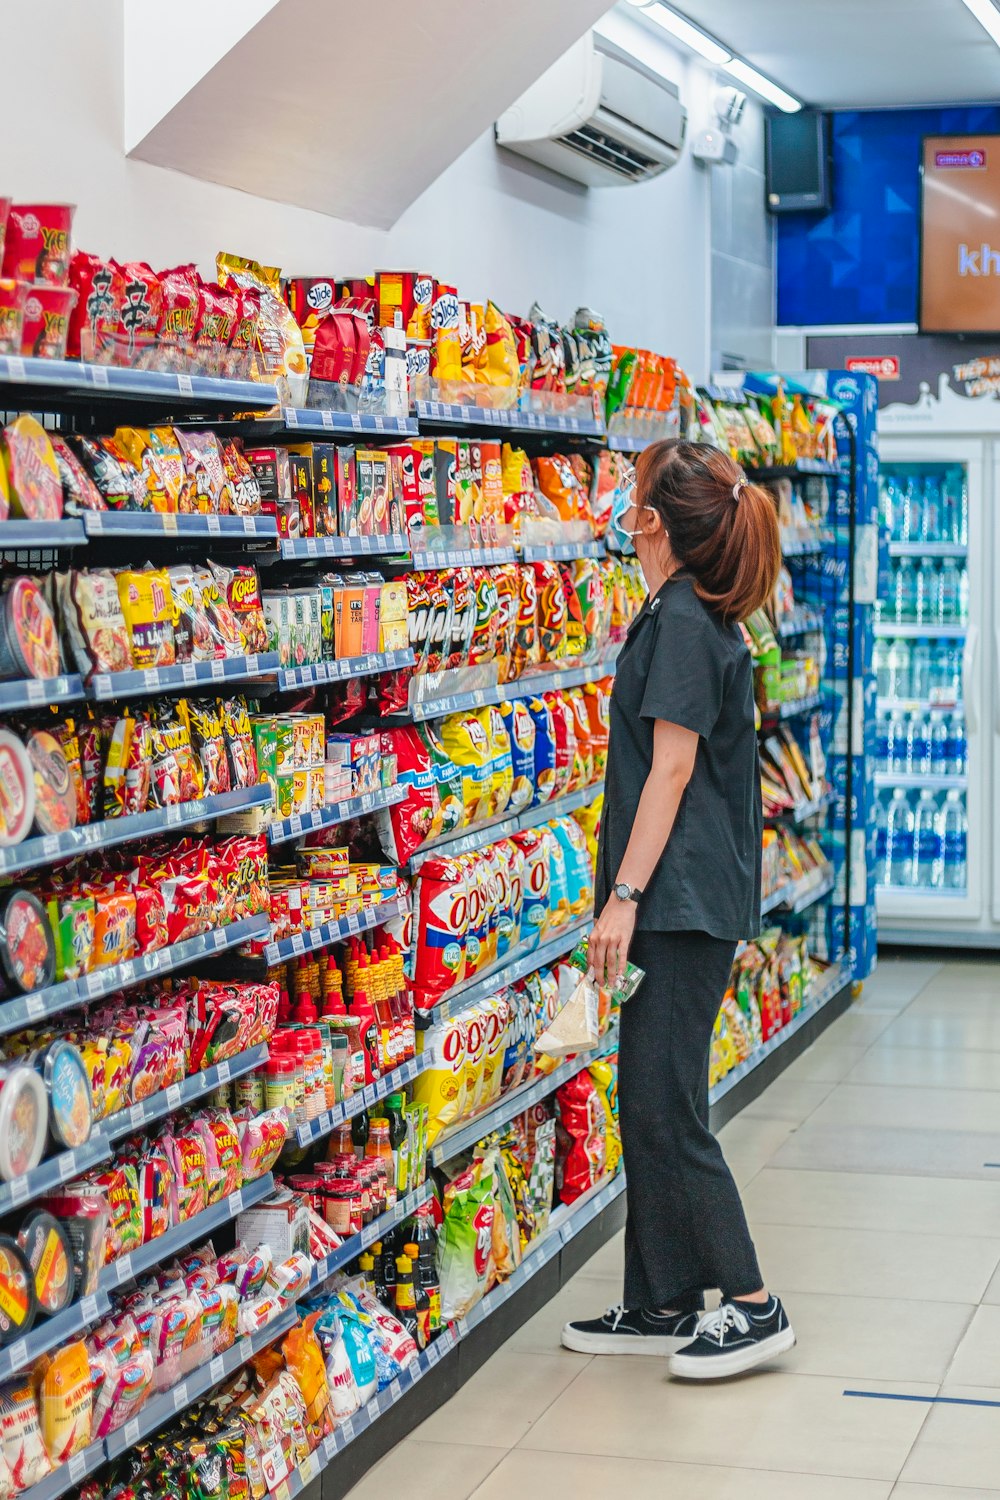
point(713, 149)
point(729, 106)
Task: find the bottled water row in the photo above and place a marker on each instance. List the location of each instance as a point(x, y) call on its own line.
point(930, 671)
point(921, 744)
point(922, 592)
point(921, 841)
point(932, 506)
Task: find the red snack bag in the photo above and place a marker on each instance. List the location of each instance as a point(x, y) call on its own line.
point(189, 903)
point(508, 603)
point(463, 617)
point(179, 324)
point(243, 482)
point(441, 919)
point(185, 1152)
point(583, 1120)
point(483, 647)
point(218, 310)
point(141, 313)
point(439, 621)
point(552, 607)
point(96, 317)
point(406, 825)
point(150, 918)
point(241, 357)
point(565, 734)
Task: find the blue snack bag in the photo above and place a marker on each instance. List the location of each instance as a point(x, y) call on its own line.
point(545, 751)
point(520, 727)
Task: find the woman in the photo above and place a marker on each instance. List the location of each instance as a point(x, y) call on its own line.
point(678, 884)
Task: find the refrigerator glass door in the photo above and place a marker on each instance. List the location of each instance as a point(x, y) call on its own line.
point(930, 651)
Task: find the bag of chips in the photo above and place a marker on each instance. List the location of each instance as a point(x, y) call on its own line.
point(239, 743)
point(583, 1118)
point(148, 607)
point(449, 784)
point(239, 586)
point(464, 740)
point(520, 728)
point(552, 611)
point(501, 781)
point(483, 645)
point(116, 477)
point(209, 745)
point(440, 925)
point(80, 493)
point(545, 750)
point(465, 1245)
point(535, 886)
point(441, 1086)
point(92, 617)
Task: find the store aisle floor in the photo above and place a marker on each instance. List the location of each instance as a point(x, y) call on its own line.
point(875, 1218)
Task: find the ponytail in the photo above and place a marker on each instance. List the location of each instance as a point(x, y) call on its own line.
point(723, 530)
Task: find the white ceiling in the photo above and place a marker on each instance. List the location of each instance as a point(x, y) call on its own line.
point(859, 53)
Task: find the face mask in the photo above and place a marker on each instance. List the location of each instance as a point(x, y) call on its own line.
point(623, 502)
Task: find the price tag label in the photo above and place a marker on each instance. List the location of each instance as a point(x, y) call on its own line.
point(15, 369)
point(184, 385)
point(17, 1354)
point(218, 669)
point(309, 1469)
point(131, 1433)
point(77, 1466)
point(394, 1391)
point(217, 1369)
point(214, 525)
point(312, 547)
point(369, 1235)
point(291, 416)
point(170, 524)
point(353, 924)
point(370, 1094)
point(461, 1328)
point(180, 1395)
point(88, 1309)
point(93, 984)
point(34, 691)
point(295, 825)
point(35, 1007)
point(174, 813)
point(68, 1166)
point(347, 1430)
point(432, 1354)
point(327, 419)
point(372, 1409)
point(174, 1096)
point(224, 1072)
point(235, 1204)
point(298, 943)
point(98, 376)
point(19, 1189)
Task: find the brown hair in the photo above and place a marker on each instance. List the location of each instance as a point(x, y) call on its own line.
point(723, 530)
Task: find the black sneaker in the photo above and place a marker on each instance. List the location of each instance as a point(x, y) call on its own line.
point(631, 1331)
point(733, 1339)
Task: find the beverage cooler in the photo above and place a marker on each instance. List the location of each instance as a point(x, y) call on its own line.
point(936, 658)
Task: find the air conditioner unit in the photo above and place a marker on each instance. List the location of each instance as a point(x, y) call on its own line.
point(598, 118)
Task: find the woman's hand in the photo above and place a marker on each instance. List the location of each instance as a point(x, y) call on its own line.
point(610, 940)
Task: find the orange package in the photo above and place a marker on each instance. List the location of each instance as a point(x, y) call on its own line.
point(508, 604)
point(597, 699)
point(526, 628)
point(551, 617)
point(561, 487)
point(583, 762)
point(114, 926)
point(483, 647)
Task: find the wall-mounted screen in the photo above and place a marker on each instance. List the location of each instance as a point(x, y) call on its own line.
point(960, 234)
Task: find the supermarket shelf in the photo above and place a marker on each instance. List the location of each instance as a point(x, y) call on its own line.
point(161, 1409)
point(51, 1333)
point(468, 1132)
point(310, 419)
point(67, 1476)
point(71, 379)
point(26, 1008)
point(805, 468)
point(103, 835)
point(621, 442)
point(928, 549)
point(33, 692)
point(425, 558)
point(179, 1236)
point(515, 966)
point(781, 711)
point(294, 548)
point(511, 418)
point(798, 895)
point(802, 621)
point(381, 1088)
point(133, 523)
point(180, 1095)
point(920, 781)
point(522, 687)
point(563, 551)
point(109, 686)
point(332, 932)
point(376, 1230)
point(922, 892)
point(802, 546)
point(804, 811)
point(503, 827)
point(337, 812)
point(827, 987)
point(15, 535)
point(918, 706)
point(892, 628)
point(340, 671)
point(51, 1174)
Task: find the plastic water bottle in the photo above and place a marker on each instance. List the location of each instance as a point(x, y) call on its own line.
point(889, 505)
point(881, 840)
point(939, 744)
point(957, 746)
point(899, 670)
point(954, 832)
point(882, 723)
point(951, 506)
point(896, 742)
point(926, 840)
point(928, 593)
point(880, 666)
point(963, 593)
point(910, 523)
point(899, 825)
point(930, 510)
point(949, 592)
point(921, 662)
point(918, 745)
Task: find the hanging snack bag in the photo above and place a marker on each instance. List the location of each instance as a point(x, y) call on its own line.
point(552, 613)
point(465, 742)
point(465, 1246)
point(545, 750)
point(440, 922)
point(25, 1462)
point(535, 886)
point(209, 745)
point(449, 783)
point(208, 490)
point(114, 474)
point(239, 743)
point(508, 603)
point(175, 771)
point(520, 728)
point(240, 587)
point(441, 1084)
point(501, 764)
point(483, 646)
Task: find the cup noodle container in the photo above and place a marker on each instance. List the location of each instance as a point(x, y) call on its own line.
point(45, 324)
point(37, 243)
point(13, 295)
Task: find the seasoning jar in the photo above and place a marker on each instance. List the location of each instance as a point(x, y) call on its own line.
point(251, 1092)
point(280, 1084)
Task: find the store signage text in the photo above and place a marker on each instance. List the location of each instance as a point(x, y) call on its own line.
point(884, 366)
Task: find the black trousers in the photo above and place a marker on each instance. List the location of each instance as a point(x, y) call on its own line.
point(686, 1230)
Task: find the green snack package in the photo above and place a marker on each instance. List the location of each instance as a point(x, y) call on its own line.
point(631, 982)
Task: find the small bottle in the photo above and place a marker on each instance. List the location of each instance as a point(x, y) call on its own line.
point(366, 1267)
point(421, 1297)
point(380, 1146)
point(406, 1301)
point(359, 1133)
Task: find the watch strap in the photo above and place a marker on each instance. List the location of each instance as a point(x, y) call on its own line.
point(626, 892)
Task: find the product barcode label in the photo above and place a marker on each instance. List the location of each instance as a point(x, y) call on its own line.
point(372, 1409)
point(432, 1354)
point(347, 1429)
point(99, 375)
point(214, 525)
point(291, 417)
point(189, 671)
point(170, 524)
point(174, 1096)
point(78, 1466)
point(180, 1395)
point(15, 369)
point(184, 385)
point(224, 1072)
point(18, 1354)
point(235, 1203)
point(218, 669)
point(67, 1166)
point(19, 1189)
point(88, 1309)
point(298, 943)
point(217, 1369)
point(327, 417)
point(131, 1433)
point(35, 1007)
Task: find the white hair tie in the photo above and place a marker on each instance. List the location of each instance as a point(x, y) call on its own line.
point(736, 489)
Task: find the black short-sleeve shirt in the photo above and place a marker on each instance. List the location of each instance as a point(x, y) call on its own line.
point(681, 662)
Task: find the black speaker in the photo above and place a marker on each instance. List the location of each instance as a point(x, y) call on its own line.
point(799, 162)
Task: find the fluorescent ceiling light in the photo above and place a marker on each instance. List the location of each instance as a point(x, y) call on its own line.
point(684, 32)
point(743, 73)
point(987, 15)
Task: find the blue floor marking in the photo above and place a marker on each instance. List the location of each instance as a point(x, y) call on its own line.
point(931, 1400)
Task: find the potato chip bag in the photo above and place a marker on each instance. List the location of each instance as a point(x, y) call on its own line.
point(440, 924)
point(508, 603)
point(207, 490)
point(209, 745)
point(583, 761)
point(535, 886)
point(577, 864)
point(491, 879)
point(604, 1076)
point(545, 750)
point(501, 764)
point(475, 1060)
point(468, 485)
point(449, 783)
point(526, 627)
point(463, 617)
point(565, 742)
point(518, 487)
point(502, 365)
point(512, 858)
point(113, 472)
point(483, 646)
point(148, 607)
point(597, 697)
point(559, 902)
point(465, 1245)
point(441, 1086)
point(588, 585)
point(552, 612)
point(406, 825)
point(521, 733)
point(497, 1026)
point(589, 819)
point(439, 600)
point(561, 487)
point(464, 740)
point(239, 585)
point(138, 447)
point(91, 614)
point(583, 1117)
point(175, 770)
point(518, 1037)
point(499, 855)
point(477, 932)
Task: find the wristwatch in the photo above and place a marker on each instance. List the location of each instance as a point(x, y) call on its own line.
point(626, 892)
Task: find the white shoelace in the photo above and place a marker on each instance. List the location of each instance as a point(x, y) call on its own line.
point(615, 1314)
point(717, 1324)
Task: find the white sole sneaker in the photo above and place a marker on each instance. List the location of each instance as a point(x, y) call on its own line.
point(650, 1344)
point(719, 1366)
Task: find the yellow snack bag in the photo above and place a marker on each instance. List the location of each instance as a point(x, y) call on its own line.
point(465, 742)
point(280, 353)
point(137, 444)
point(497, 1027)
point(441, 1086)
point(502, 366)
point(148, 607)
point(604, 1076)
point(475, 1060)
point(589, 819)
point(500, 762)
point(65, 1402)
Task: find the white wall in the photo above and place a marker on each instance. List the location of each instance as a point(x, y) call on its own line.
point(743, 241)
point(639, 254)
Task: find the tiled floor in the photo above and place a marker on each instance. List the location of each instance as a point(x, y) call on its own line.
point(863, 1174)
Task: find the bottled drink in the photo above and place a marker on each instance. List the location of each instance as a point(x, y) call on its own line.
point(398, 1139)
point(406, 1301)
point(889, 505)
point(899, 840)
point(905, 591)
point(880, 666)
point(956, 746)
point(910, 520)
point(921, 659)
point(896, 737)
point(899, 669)
point(930, 509)
point(963, 593)
point(918, 745)
point(882, 723)
point(939, 744)
point(926, 841)
point(928, 592)
point(881, 840)
point(954, 833)
point(949, 592)
point(949, 529)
